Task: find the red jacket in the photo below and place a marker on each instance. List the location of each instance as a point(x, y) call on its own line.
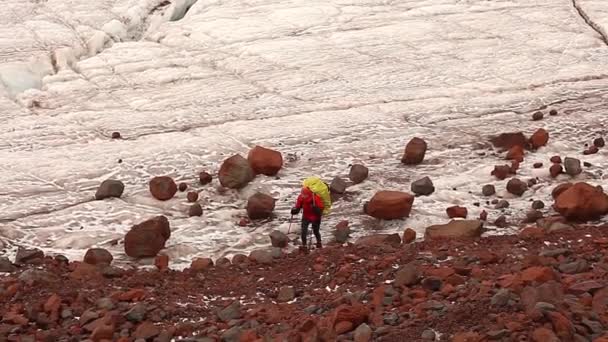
point(305, 201)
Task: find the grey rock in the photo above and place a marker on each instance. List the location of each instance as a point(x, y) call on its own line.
point(110, 188)
point(574, 267)
point(232, 335)
point(488, 190)
point(32, 276)
point(362, 333)
point(6, 265)
point(276, 252)
point(261, 256)
point(554, 252)
point(497, 334)
point(232, 311)
point(391, 318)
point(558, 226)
point(502, 204)
point(337, 186)
point(286, 294)
point(342, 232)
point(572, 166)
point(428, 335)
point(501, 298)
point(137, 313)
point(423, 187)
point(278, 239)
point(432, 283)
point(537, 205)
point(358, 173)
point(407, 275)
point(105, 303)
point(26, 256)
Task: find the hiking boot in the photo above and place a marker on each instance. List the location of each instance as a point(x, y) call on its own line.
point(303, 249)
point(319, 245)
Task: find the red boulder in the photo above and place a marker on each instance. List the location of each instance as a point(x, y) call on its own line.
point(265, 161)
point(539, 138)
point(146, 239)
point(163, 188)
point(582, 202)
point(414, 152)
point(390, 205)
point(235, 172)
point(260, 206)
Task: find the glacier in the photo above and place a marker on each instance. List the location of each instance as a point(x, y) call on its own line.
point(328, 83)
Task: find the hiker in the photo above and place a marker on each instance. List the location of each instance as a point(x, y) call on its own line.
point(313, 209)
point(315, 201)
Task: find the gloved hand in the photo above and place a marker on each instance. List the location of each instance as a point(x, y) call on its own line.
point(295, 211)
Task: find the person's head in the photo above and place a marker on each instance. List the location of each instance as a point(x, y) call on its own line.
point(306, 192)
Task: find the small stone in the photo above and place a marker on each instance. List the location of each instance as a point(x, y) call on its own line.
point(137, 313)
point(537, 165)
point(501, 171)
point(537, 205)
point(599, 142)
point(537, 116)
point(204, 178)
point(553, 112)
point(261, 256)
point(572, 166)
point(457, 211)
point(516, 187)
point(501, 222)
point(6, 265)
point(502, 204)
point(423, 187)
point(162, 188)
point(192, 196)
point(116, 135)
point(105, 303)
point(591, 150)
point(488, 190)
point(432, 283)
point(578, 266)
point(391, 318)
point(483, 216)
point(363, 333)
point(195, 210)
point(533, 216)
point(286, 294)
point(501, 298)
point(409, 235)
point(182, 187)
point(556, 159)
point(428, 335)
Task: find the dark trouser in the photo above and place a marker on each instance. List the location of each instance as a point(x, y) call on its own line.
point(316, 226)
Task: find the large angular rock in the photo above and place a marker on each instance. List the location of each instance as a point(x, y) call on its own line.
point(582, 202)
point(407, 275)
point(260, 206)
point(146, 239)
point(29, 256)
point(390, 205)
point(414, 152)
point(516, 186)
point(455, 229)
point(163, 188)
point(110, 188)
point(265, 161)
point(358, 173)
point(342, 232)
point(235, 172)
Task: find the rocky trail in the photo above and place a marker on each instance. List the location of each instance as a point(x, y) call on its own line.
point(543, 284)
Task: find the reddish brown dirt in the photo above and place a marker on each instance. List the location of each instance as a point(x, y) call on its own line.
point(567, 272)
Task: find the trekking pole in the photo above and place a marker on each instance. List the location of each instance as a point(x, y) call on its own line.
point(290, 222)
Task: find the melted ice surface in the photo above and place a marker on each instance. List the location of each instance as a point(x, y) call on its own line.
point(328, 83)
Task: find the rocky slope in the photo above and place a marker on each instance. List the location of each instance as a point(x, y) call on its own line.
point(548, 283)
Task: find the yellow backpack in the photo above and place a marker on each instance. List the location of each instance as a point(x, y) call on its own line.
point(316, 185)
